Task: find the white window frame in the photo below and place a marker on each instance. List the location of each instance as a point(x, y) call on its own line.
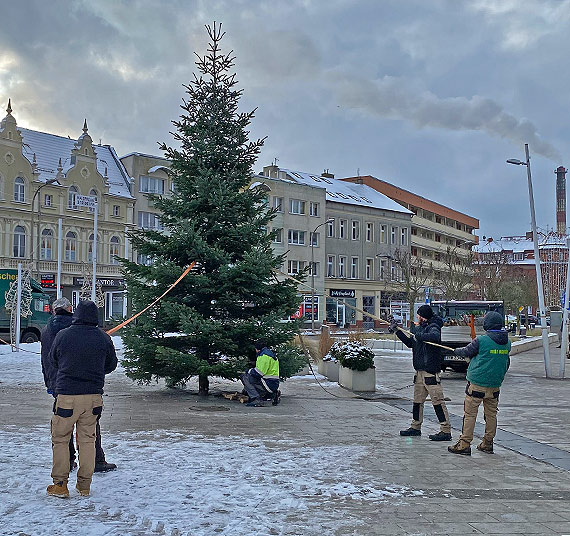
point(342, 265)
point(393, 232)
point(314, 239)
point(149, 220)
point(48, 200)
point(382, 270)
point(20, 190)
point(316, 266)
point(70, 246)
point(296, 206)
point(331, 264)
point(369, 273)
point(404, 236)
point(383, 234)
point(277, 203)
point(354, 268)
point(116, 210)
point(330, 228)
point(369, 231)
point(355, 230)
point(314, 209)
point(114, 245)
point(342, 228)
point(296, 237)
point(109, 304)
point(19, 249)
point(294, 267)
point(151, 185)
point(46, 245)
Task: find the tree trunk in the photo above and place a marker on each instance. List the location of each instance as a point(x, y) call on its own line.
point(203, 385)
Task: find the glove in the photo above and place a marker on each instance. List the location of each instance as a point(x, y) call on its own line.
point(49, 392)
point(393, 327)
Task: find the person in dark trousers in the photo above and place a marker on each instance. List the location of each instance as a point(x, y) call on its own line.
point(427, 364)
point(62, 319)
point(76, 365)
point(489, 362)
point(262, 382)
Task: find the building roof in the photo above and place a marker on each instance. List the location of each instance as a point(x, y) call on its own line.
point(520, 244)
point(338, 191)
point(49, 148)
point(405, 196)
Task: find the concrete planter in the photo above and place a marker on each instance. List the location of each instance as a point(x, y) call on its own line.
point(331, 370)
point(322, 367)
point(357, 380)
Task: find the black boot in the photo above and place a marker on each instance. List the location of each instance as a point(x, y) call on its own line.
point(410, 432)
point(103, 467)
point(440, 436)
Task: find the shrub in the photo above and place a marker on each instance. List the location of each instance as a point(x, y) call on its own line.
point(353, 355)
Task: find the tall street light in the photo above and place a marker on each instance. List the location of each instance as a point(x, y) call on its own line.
point(541, 304)
point(312, 238)
point(38, 238)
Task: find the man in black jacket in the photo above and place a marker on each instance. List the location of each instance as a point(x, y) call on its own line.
point(61, 319)
point(427, 363)
point(80, 357)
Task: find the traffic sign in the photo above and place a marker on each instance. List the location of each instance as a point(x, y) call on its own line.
point(89, 201)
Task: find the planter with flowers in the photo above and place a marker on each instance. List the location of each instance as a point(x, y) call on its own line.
point(356, 371)
point(330, 367)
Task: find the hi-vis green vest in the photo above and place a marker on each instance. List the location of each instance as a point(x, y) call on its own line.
point(489, 366)
point(267, 366)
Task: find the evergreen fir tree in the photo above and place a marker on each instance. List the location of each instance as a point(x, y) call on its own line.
point(208, 324)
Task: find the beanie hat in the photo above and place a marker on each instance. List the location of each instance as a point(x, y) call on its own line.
point(61, 303)
point(493, 321)
point(425, 311)
point(260, 344)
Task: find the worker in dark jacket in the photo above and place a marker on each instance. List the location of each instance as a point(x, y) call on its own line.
point(489, 363)
point(427, 364)
point(61, 319)
point(80, 357)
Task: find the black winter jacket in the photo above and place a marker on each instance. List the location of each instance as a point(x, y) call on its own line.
point(425, 356)
point(81, 355)
point(61, 320)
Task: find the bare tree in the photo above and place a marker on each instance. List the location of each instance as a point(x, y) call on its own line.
point(413, 273)
point(491, 269)
point(456, 277)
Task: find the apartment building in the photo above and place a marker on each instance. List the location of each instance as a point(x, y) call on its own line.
point(40, 174)
point(361, 230)
point(435, 228)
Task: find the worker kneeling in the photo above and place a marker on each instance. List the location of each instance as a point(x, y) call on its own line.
point(262, 382)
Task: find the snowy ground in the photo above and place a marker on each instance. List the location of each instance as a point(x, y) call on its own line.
point(176, 483)
point(171, 483)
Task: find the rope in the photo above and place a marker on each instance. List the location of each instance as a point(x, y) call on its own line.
point(128, 321)
point(371, 315)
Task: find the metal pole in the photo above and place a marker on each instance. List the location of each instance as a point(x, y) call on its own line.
point(541, 304)
point(18, 306)
point(564, 341)
point(313, 281)
point(94, 280)
point(126, 257)
point(38, 239)
point(59, 240)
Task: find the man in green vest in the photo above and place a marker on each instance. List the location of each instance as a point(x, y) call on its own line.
point(489, 363)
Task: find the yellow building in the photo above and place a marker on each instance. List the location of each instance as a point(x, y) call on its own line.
point(40, 174)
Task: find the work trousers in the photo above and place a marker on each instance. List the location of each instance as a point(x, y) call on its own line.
point(80, 411)
point(475, 394)
point(254, 386)
point(99, 452)
point(426, 384)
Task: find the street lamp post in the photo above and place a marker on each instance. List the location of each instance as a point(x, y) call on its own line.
point(541, 303)
point(312, 238)
point(38, 238)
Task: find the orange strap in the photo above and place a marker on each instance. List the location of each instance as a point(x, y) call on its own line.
point(123, 324)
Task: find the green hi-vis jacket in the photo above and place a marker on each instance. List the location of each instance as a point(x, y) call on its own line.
point(267, 365)
point(489, 366)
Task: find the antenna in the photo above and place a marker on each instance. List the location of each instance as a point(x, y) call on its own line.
point(358, 172)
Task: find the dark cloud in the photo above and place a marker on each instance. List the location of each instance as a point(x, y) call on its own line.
point(433, 96)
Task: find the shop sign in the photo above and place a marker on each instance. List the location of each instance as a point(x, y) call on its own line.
point(48, 281)
point(78, 281)
point(342, 293)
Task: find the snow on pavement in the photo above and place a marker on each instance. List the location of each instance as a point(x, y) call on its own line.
point(171, 483)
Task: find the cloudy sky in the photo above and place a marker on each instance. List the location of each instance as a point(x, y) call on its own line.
point(433, 95)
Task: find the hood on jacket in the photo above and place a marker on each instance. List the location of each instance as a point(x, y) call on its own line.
point(500, 337)
point(268, 352)
point(493, 320)
point(86, 313)
point(437, 320)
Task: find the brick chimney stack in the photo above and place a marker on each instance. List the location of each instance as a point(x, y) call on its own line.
point(560, 200)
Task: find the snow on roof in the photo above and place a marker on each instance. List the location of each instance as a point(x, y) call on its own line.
point(347, 192)
point(156, 168)
point(520, 244)
point(49, 148)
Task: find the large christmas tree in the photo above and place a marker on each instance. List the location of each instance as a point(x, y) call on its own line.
point(208, 324)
